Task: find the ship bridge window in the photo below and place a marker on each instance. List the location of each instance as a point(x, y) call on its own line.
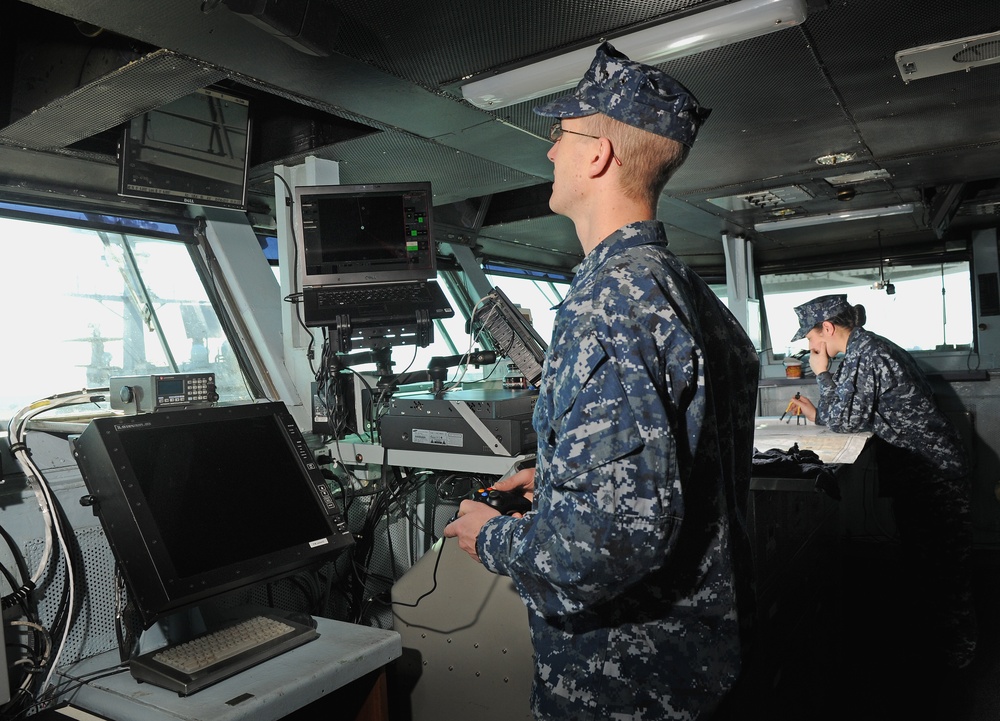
point(536, 293)
point(450, 338)
point(925, 307)
point(87, 303)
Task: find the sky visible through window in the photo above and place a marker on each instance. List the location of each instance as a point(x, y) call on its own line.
point(918, 316)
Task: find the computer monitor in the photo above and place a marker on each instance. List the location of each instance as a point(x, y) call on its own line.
point(368, 263)
point(359, 234)
point(192, 150)
point(199, 502)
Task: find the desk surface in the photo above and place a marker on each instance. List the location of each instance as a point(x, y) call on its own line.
point(829, 446)
point(343, 653)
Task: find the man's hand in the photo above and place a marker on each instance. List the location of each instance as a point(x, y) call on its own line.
point(468, 523)
point(473, 514)
point(523, 482)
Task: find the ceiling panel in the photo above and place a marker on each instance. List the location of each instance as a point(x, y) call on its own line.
point(385, 103)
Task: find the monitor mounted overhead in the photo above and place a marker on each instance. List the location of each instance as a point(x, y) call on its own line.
point(193, 150)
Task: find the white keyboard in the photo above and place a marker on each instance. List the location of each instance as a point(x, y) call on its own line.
point(192, 665)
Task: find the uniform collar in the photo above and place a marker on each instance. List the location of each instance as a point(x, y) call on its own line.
point(855, 337)
point(643, 232)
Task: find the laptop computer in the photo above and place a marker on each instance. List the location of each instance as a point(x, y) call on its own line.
point(368, 258)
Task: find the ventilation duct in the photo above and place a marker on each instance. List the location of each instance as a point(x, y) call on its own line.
point(948, 57)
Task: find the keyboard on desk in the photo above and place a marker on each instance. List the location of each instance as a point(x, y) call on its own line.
point(192, 665)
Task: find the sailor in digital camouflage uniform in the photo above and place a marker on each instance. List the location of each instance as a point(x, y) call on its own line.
point(628, 562)
point(922, 463)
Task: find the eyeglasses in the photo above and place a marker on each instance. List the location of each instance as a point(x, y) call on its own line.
point(557, 131)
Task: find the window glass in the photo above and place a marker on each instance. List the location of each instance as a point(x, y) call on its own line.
point(85, 305)
point(921, 308)
point(450, 339)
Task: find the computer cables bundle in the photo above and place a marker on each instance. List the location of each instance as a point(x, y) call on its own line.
point(56, 528)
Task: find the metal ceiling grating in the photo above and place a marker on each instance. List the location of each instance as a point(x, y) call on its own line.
point(146, 83)
point(436, 42)
point(397, 157)
point(937, 112)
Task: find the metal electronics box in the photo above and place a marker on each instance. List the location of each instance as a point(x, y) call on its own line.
point(145, 394)
point(493, 421)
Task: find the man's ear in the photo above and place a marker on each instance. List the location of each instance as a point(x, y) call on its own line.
point(602, 160)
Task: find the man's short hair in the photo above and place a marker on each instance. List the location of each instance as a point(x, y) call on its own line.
point(651, 160)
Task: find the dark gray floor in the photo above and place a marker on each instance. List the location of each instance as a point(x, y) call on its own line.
point(865, 656)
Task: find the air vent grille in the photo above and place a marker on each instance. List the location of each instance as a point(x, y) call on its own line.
point(981, 52)
point(763, 200)
point(948, 57)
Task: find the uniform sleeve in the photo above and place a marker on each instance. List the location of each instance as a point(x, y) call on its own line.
point(848, 401)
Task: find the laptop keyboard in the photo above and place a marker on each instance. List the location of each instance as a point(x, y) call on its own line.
point(364, 295)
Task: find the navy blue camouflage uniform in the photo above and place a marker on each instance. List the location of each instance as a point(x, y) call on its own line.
point(879, 388)
point(923, 466)
point(632, 560)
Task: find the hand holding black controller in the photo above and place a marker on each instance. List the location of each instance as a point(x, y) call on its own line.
point(506, 502)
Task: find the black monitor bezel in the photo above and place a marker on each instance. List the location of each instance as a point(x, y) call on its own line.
point(132, 186)
point(311, 193)
point(155, 586)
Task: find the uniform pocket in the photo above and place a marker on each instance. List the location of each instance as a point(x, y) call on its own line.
point(594, 423)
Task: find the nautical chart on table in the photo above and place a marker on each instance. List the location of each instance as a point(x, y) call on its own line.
point(829, 446)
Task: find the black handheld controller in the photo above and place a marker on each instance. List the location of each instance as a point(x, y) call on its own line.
point(504, 501)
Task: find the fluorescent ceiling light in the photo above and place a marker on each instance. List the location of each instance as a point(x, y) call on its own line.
point(806, 220)
point(864, 176)
point(673, 39)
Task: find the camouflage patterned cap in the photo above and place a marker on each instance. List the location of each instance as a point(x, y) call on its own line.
point(635, 94)
point(817, 310)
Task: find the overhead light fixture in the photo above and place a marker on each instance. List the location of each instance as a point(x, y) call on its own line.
point(864, 176)
point(673, 39)
point(803, 221)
